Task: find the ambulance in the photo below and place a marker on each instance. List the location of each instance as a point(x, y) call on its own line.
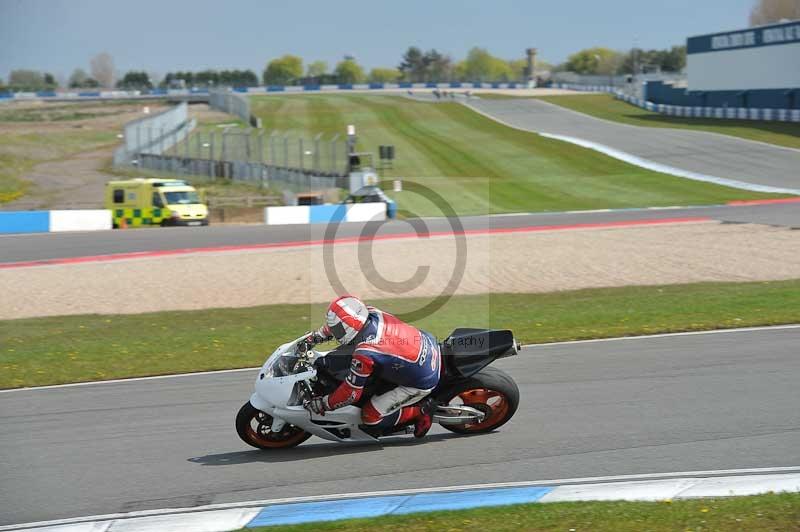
point(147, 202)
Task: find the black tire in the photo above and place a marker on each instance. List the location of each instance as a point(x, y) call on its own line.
point(289, 436)
point(494, 383)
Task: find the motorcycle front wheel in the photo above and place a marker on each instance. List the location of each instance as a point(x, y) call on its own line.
point(491, 391)
point(255, 428)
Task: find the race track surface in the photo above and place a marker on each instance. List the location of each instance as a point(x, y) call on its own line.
point(647, 405)
point(696, 151)
point(45, 246)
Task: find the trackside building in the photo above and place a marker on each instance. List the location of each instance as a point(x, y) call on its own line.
point(756, 67)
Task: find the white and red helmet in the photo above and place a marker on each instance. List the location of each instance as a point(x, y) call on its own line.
point(345, 318)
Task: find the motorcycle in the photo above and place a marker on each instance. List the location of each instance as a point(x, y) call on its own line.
point(471, 398)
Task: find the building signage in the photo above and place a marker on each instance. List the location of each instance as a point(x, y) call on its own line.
point(764, 36)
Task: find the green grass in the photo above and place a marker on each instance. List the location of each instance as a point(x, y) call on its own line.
point(20, 152)
point(607, 107)
point(65, 349)
point(769, 512)
point(64, 112)
point(479, 165)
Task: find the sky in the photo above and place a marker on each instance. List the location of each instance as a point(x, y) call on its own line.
point(158, 36)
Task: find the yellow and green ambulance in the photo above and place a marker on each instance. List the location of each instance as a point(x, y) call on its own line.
point(144, 202)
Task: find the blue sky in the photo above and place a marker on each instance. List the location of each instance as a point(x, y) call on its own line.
point(163, 35)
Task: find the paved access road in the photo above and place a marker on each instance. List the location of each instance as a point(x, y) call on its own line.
point(649, 405)
point(45, 246)
point(696, 151)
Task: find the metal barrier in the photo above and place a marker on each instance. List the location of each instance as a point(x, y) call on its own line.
point(154, 134)
point(265, 175)
point(232, 103)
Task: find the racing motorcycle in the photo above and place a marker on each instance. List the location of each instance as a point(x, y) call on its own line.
point(470, 398)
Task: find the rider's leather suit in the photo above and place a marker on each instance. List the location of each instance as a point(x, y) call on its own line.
point(401, 354)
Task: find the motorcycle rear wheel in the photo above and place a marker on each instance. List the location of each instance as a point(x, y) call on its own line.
point(254, 428)
point(490, 390)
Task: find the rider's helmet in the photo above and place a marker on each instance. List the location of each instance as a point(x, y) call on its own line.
point(346, 317)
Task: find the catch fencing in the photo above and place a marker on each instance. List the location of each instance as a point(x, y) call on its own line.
point(277, 160)
point(154, 134)
point(233, 104)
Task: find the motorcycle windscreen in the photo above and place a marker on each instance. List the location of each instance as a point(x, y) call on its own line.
point(467, 351)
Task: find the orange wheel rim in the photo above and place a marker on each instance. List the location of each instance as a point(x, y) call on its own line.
point(287, 437)
point(494, 403)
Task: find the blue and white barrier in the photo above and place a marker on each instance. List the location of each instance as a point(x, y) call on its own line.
point(314, 214)
point(119, 94)
point(735, 113)
point(19, 222)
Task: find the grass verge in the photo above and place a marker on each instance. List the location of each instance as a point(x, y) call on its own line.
point(754, 513)
point(20, 152)
point(56, 350)
point(480, 165)
point(607, 107)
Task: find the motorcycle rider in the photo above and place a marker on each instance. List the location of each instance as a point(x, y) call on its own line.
point(400, 353)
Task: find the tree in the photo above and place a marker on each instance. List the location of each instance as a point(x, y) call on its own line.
point(50, 81)
point(637, 60)
point(283, 71)
point(348, 71)
point(597, 60)
point(317, 69)
point(77, 78)
point(26, 80)
point(769, 11)
point(519, 69)
point(413, 65)
point(135, 79)
point(384, 75)
point(102, 68)
point(480, 65)
point(438, 67)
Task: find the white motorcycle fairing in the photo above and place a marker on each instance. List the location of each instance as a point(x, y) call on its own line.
point(276, 393)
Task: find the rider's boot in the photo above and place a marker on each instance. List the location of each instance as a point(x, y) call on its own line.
point(424, 419)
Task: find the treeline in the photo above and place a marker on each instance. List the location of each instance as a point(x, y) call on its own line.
point(606, 61)
point(29, 81)
point(210, 78)
point(416, 65)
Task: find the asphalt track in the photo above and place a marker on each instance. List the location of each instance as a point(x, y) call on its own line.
point(48, 246)
point(706, 153)
point(634, 406)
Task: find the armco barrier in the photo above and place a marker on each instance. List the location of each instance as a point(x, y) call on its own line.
point(311, 214)
point(736, 113)
point(154, 93)
point(19, 222)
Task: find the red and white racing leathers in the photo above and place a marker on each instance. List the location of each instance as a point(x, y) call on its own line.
point(403, 355)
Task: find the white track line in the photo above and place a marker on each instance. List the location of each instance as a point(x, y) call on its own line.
point(438, 489)
point(534, 346)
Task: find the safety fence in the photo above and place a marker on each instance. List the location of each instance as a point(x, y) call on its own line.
point(161, 93)
point(154, 134)
point(277, 160)
point(730, 113)
point(233, 103)
point(265, 175)
point(735, 113)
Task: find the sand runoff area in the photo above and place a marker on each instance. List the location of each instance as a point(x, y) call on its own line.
point(511, 262)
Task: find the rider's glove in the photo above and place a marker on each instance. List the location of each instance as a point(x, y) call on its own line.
point(318, 405)
point(316, 337)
